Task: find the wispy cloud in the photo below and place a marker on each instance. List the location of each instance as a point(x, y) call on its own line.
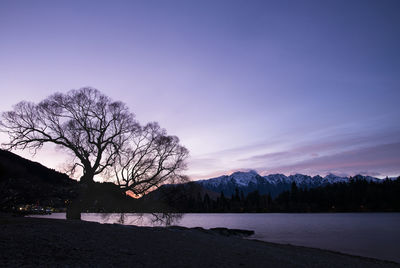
point(380, 160)
point(345, 154)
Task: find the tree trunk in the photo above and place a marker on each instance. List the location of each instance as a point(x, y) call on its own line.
point(74, 210)
point(87, 178)
point(75, 207)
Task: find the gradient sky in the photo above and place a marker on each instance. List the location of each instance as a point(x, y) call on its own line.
point(307, 87)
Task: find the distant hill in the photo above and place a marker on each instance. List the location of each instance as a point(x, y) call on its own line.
point(172, 197)
point(26, 182)
point(273, 184)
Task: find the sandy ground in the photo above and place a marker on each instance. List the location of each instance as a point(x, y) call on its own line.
point(26, 242)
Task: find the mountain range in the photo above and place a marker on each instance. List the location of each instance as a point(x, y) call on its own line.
point(272, 184)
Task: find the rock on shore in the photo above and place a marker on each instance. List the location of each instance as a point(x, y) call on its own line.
point(49, 242)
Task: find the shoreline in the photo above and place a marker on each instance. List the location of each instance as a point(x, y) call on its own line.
point(28, 241)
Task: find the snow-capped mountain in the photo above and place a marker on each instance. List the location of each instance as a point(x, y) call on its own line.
point(272, 184)
point(238, 178)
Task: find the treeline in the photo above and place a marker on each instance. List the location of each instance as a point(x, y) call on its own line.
point(357, 195)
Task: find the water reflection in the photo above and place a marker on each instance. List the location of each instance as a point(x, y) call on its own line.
point(139, 219)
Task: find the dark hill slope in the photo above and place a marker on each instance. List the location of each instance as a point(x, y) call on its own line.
point(26, 182)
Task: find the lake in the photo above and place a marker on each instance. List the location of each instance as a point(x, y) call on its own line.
point(374, 235)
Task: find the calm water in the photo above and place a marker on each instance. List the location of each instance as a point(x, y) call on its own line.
point(366, 234)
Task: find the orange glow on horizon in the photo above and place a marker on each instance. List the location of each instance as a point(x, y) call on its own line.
point(133, 195)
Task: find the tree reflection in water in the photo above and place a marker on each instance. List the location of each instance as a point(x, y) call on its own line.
point(142, 219)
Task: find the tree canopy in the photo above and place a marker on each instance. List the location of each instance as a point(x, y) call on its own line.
point(152, 157)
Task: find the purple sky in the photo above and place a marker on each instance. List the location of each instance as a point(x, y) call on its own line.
point(278, 86)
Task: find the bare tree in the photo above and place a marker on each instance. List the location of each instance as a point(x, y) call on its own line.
point(100, 134)
point(151, 159)
point(85, 122)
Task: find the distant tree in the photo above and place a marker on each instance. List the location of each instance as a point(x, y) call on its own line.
point(294, 191)
point(269, 199)
point(85, 122)
point(221, 202)
point(241, 195)
point(236, 197)
point(207, 202)
point(253, 201)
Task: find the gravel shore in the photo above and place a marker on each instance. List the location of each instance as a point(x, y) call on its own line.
point(26, 242)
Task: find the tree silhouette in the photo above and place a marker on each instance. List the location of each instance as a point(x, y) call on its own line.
point(101, 135)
